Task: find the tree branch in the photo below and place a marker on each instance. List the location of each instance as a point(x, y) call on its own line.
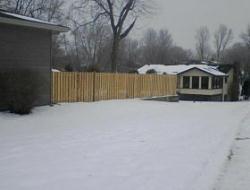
point(127, 31)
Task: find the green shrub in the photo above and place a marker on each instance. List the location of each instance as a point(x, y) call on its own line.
point(19, 90)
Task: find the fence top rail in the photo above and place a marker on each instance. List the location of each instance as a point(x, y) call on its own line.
point(109, 73)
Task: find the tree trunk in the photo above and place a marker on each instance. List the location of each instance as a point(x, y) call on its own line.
point(236, 82)
point(77, 64)
point(114, 54)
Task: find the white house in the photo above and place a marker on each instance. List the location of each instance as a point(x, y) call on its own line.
point(195, 82)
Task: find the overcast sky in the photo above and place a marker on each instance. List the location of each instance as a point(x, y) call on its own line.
point(183, 17)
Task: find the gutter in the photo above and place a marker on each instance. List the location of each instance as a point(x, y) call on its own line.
point(19, 22)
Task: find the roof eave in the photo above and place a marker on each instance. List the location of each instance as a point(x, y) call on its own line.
point(54, 28)
point(202, 71)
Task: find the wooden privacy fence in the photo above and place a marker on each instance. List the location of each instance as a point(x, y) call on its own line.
point(88, 87)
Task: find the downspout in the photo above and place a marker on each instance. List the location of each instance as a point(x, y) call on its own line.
point(51, 82)
point(223, 90)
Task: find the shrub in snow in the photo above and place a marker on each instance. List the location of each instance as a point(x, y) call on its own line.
point(19, 90)
point(151, 71)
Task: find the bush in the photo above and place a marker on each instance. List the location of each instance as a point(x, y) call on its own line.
point(133, 72)
point(19, 90)
point(69, 68)
point(93, 68)
point(151, 71)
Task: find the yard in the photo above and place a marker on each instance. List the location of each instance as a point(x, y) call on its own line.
point(118, 145)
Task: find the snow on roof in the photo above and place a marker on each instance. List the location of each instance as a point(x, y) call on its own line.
point(55, 70)
point(24, 17)
point(12, 18)
point(177, 69)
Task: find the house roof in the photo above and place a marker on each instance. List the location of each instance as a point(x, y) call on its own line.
point(20, 20)
point(179, 69)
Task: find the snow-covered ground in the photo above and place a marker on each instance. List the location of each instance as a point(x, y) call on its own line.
point(118, 145)
point(236, 174)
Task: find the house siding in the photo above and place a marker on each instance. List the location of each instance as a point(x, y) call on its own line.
point(27, 48)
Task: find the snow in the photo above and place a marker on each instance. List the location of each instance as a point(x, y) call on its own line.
point(55, 70)
point(176, 69)
point(160, 69)
point(236, 173)
point(118, 145)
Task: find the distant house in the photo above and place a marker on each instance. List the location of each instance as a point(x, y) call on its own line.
point(27, 43)
point(195, 82)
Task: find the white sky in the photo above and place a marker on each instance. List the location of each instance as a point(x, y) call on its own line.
point(183, 17)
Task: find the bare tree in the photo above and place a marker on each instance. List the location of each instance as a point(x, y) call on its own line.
point(49, 10)
point(121, 15)
point(246, 37)
point(165, 42)
point(129, 55)
point(202, 42)
point(222, 38)
point(149, 48)
point(246, 46)
point(92, 39)
point(31, 8)
point(156, 47)
point(89, 39)
point(54, 10)
point(179, 55)
point(159, 48)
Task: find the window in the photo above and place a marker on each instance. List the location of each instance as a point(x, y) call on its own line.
point(186, 82)
point(195, 82)
point(217, 82)
point(214, 83)
point(204, 82)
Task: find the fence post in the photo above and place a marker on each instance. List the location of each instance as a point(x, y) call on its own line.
point(94, 75)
